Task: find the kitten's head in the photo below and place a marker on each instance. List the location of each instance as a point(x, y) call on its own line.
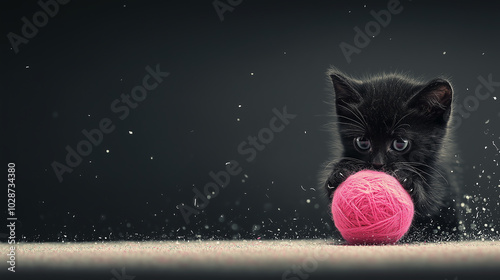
point(393, 123)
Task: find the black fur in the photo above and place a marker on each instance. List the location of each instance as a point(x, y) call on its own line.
point(390, 107)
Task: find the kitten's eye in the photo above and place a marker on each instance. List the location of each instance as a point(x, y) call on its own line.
point(362, 143)
point(400, 144)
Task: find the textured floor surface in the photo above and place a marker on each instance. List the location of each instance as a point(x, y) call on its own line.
point(253, 259)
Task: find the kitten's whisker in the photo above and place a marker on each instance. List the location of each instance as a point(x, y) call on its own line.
point(430, 175)
point(352, 124)
point(361, 121)
point(360, 114)
point(415, 172)
point(354, 160)
point(395, 126)
point(410, 168)
point(434, 169)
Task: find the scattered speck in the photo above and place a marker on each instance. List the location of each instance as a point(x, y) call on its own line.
point(284, 53)
point(27, 67)
point(239, 105)
point(237, 119)
point(494, 98)
point(444, 52)
point(308, 200)
point(305, 131)
point(107, 151)
point(130, 132)
point(124, 6)
point(364, 6)
point(482, 54)
point(151, 157)
point(251, 74)
point(493, 142)
point(487, 121)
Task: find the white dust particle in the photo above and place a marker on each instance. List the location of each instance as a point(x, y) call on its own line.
point(237, 119)
point(251, 74)
point(487, 121)
point(444, 52)
point(239, 105)
point(27, 67)
point(493, 142)
point(308, 200)
point(494, 98)
point(130, 132)
point(151, 157)
point(107, 151)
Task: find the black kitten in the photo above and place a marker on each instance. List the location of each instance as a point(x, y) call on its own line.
point(401, 126)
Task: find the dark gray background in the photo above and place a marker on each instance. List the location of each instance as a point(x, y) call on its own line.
point(93, 51)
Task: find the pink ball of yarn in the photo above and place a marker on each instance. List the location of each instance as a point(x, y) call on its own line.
point(372, 207)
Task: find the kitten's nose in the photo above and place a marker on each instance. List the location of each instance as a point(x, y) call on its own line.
point(378, 165)
point(378, 161)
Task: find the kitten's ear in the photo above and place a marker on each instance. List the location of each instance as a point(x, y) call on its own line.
point(344, 90)
point(434, 99)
